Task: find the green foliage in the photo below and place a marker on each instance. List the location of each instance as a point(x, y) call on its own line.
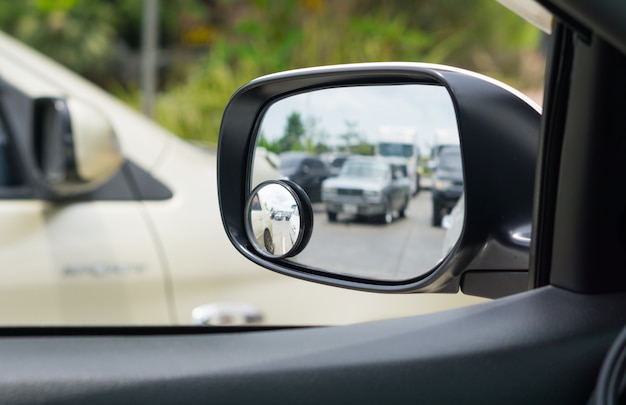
point(362, 148)
point(84, 34)
point(294, 130)
point(270, 36)
point(293, 138)
point(193, 109)
point(255, 38)
point(70, 31)
point(172, 17)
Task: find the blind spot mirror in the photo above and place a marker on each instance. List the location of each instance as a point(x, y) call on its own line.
point(279, 219)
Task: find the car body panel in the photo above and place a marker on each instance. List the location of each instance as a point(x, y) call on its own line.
point(261, 220)
point(59, 277)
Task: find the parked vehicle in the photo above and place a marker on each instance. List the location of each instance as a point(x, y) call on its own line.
point(399, 144)
point(262, 224)
point(444, 138)
point(367, 187)
point(294, 223)
point(116, 210)
point(334, 160)
point(308, 171)
point(453, 224)
point(447, 184)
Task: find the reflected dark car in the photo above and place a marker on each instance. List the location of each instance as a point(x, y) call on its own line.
point(305, 170)
point(334, 160)
point(447, 182)
point(367, 187)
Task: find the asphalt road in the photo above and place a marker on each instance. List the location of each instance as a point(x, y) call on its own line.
point(403, 249)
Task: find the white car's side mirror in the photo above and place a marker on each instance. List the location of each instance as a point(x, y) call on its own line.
point(75, 147)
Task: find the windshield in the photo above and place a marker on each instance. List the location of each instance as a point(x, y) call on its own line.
point(338, 162)
point(395, 149)
point(367, 170)
point(150, 247)
point(289, 163)
point(450, 159)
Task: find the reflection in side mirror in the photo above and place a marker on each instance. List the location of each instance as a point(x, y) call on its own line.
point(375, 214)
point(279, 219)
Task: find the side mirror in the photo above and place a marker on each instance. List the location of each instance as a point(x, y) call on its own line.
point(399, 250)
point(75, 147)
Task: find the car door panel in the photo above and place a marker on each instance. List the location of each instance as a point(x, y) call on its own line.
point(71, 264)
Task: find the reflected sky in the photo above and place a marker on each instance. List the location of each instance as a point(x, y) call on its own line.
point(276, 197)
point(327, 114)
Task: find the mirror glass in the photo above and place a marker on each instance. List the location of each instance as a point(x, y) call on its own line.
point(382, 167)
point(273, 220)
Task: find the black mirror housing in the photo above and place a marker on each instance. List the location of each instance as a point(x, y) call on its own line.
point(498, 130)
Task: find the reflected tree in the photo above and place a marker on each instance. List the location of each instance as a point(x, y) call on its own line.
point(294, 131)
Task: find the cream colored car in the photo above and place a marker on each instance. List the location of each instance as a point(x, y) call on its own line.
point(261, 220)
point(107, 218)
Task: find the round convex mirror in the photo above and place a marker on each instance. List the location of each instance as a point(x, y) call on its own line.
point(279, 219)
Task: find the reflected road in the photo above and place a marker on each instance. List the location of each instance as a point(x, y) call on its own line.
point(406, 248)
point(282, 236)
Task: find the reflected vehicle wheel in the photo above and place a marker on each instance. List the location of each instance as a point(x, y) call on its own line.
point(332, 216)
point(268, 242)
point(402, 210)
point(436, 219)
point(387, 217)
